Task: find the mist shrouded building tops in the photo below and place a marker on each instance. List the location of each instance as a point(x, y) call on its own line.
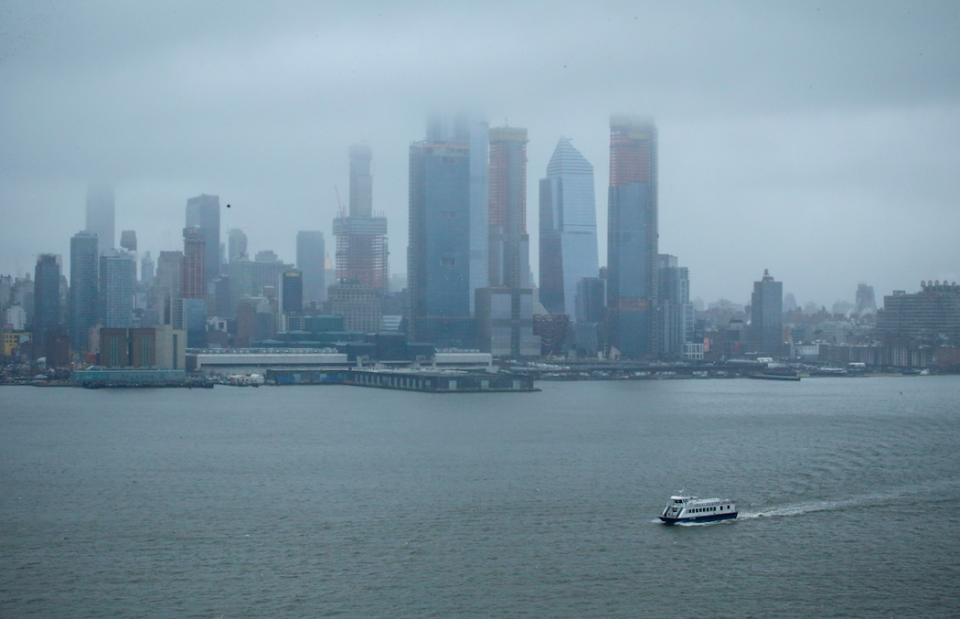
point(568, 229)
point(101, 215)
point(449, 230)
point(632, 237)
point(361, 238)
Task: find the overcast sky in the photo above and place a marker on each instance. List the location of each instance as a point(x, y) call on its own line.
point(818, 140)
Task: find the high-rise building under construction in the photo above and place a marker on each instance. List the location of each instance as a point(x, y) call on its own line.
point(361, 235)
point(632, 238)
point(504, 309)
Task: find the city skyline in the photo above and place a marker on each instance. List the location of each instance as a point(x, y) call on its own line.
point(800, 139)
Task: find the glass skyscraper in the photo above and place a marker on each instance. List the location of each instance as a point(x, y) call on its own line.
point(84, 285)
point(568, 229)
point(118, 279)
point(632, 238)
point(311, 251)
point(447, 255)
point(766, 315)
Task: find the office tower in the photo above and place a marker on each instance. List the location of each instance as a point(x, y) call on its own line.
point(46, 299)
point(504, 310)
point(766, 318)
point(237, 244)
point(676, 311)
point(118, 277)
point(128, 240)
point(632, 238)
point(568, 229)
point(167, 286)
point(449, 231)
point(311, 253)
point(361, 237)
point(866, 303)
point(203, 212)
point(84, 287)
point(193, 287)
point(193, 265)
point(290, 287)
point(101, 215)
point(146, 269)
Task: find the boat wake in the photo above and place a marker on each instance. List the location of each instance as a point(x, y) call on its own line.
point(868, 500)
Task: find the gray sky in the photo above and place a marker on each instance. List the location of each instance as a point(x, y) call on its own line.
point(819, 140)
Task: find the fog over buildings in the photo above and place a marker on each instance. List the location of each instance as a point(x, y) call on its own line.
point(820, 142)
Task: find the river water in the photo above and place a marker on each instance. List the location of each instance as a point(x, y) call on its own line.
point(352, 502)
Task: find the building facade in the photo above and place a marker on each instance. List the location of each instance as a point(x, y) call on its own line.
point(931, 316)
point(568, 229)
point(632, 238)
point(358, 304)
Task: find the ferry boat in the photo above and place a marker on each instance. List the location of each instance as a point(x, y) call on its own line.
point(691, 509)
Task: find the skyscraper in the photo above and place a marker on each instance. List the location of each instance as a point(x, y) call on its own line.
point(311, 252)
point(504, 309)
point(84, 287)
point(146, 268)
point(766, 315)
point(237, 244)
point(101, 215)
point(507, 199)
point(167, 286)
point(193, 266)
point(361, 237)
point(449, 230)
point(46, 299)
point(568, 229)
point(118, 278)
point(676, 311)
point(193, 309)
point(203, 211)
point(291, 300)
point(632, 238)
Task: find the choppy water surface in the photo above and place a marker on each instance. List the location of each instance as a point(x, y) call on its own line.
point(338, 501)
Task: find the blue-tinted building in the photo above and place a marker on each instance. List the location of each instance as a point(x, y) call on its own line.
point(632, 238)
point(447, 255)
point(766, 315)
point(568, 229)
point(46, 298)
point(84, 288)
